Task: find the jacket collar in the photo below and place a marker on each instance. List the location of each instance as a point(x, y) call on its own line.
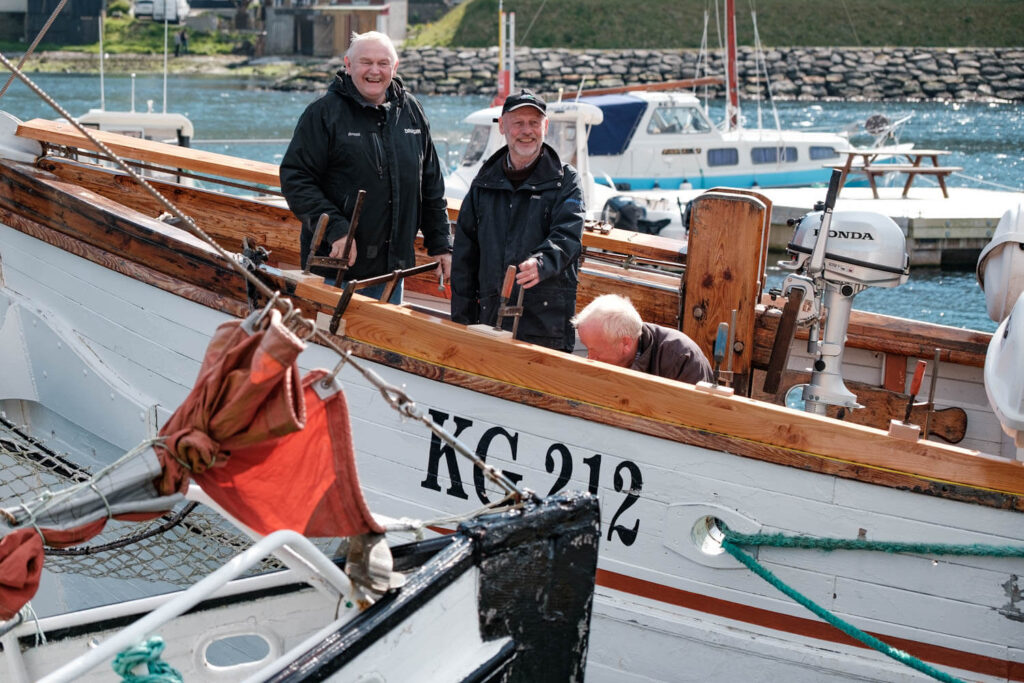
point(344, 86)
point(547, 171)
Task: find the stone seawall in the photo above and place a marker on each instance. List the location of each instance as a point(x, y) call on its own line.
point(963, 74)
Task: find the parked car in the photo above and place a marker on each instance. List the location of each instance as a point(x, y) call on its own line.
point(143, 8)
point(174, 11)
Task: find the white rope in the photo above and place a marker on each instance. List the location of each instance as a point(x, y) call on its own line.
point(418, 525)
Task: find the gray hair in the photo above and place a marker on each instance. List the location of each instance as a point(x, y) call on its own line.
point(371, 37)
point(615, 314)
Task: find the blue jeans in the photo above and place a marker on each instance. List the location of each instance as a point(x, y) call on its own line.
point(374, 291)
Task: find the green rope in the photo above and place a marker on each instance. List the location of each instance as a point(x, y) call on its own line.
point(828, 544)
point(846, 627)
point(147, 653)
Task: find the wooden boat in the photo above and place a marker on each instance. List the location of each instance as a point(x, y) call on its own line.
point(506, 596)
point(674, 465)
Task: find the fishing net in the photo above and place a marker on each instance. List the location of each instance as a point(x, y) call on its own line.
point(179, 548)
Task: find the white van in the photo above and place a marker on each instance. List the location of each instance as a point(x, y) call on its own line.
point(143, 8)
point(174, 11)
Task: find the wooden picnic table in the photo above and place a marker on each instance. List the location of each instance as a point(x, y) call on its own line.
point(878, 161)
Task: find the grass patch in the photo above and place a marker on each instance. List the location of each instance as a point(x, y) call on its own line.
point(125, 35)
point(679, 24)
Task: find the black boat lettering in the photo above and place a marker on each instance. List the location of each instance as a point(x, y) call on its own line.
point(636, 484)
point(437, 449)
point(507, 446)
point(564, 472)
point(482, 449)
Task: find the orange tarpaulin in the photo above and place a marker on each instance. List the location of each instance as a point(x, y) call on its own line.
point(305, 481)
point(247, 391)
point(21, 563)
point(263, 444)
point(230, 432)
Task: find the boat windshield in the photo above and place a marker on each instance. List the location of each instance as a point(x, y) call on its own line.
point(675, 119)
point(562, 136)
point(476, 145)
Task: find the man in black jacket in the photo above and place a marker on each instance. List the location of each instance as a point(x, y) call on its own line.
point(524, 208)
point(368, 133)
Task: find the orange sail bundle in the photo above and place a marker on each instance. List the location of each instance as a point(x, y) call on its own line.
point(273, 450)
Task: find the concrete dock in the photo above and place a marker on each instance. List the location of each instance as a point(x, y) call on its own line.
point(940, 231)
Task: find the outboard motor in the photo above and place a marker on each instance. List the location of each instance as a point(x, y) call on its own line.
point(856, 250)
point(626, 214)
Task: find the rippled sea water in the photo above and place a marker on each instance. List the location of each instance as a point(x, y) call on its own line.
point(987, 140)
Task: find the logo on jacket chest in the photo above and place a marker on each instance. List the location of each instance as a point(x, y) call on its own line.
point(413, 131)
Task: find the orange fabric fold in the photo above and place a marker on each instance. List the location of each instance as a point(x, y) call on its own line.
point(247, 391)
point(305, 481)
point(21, 563)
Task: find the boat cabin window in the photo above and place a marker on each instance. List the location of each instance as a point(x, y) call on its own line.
point(723, 156)
point(677, 119)
point(770, 155)
point(823, 152)
point(562, 136)
point(476, 145)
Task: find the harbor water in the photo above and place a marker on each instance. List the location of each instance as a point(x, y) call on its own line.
point(244, 118)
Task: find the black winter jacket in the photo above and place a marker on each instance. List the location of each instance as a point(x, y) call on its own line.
point(343, 144)
point(500, 226)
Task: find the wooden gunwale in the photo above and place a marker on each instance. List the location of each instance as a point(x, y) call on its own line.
point(872, 332)
point(618, 396)
point(229, 218)
point(151, 151)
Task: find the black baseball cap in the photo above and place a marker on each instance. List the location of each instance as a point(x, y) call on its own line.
point(524, 98)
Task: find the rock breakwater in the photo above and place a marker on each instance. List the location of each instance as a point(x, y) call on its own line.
point(875, 74)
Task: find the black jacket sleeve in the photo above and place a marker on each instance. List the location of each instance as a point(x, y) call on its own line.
point(465, 282)
point(303, 167)
point(434, 208)
point(563, 244)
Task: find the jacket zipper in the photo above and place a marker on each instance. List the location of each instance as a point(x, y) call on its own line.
point(378, 147)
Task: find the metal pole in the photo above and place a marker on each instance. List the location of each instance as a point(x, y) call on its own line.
point(165, 56)
point(103, 57)
point(511, 52)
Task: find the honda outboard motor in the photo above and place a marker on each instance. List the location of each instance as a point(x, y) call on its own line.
point(857, 250)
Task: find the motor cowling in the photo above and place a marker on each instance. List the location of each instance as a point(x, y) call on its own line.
point(1000, 269)
point(863, 248)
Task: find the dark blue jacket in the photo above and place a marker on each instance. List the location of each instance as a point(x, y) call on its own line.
point(500, 226)
point(343, 144)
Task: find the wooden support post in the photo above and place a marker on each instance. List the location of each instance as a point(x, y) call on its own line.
point(724, 266)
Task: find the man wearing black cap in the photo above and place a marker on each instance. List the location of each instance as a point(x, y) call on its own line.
point(524, 208)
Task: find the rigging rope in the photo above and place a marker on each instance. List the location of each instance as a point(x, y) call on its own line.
point(844, 626)
point(829, 544)
point(395, 397)
point(732, 540)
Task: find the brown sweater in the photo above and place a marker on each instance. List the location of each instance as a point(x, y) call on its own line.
point(669, 353)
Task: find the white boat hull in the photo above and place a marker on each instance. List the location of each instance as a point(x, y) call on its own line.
point(664, 609)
